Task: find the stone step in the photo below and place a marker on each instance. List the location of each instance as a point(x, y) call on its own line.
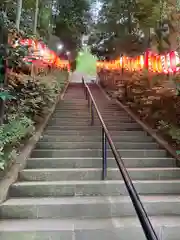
point(95, 145)
point(79, 126)
point(87, 138)
point(93, 132)
point(84, 103)
point(55, 174)
point(119, 124)
point(166, 227)
point(85, 108)
point(81, 116)
point(85, 120)
point(92, 188)
point(82, 100)
point(64, 182)
point(74, 109)
point(76, 102)
point(68, 122)
point(86, 113)
point(56, 153)
point(87, 207)
point(33, 163)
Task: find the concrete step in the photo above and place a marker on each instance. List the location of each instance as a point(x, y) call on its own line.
point(80, 125)
point(92, 188)
point(125, 153)
point(93, 132)
point(81, 116)
point(95, 145)
point(73, 107)
point(87, 207)
point(78, 101)
point(89, 162)
point(73, 174)
point(56, 123)
point(85, 110)
point(167, 228)
point(69, 102)
point(64, 182)
point(82, 102)
point(86, 114)
point(84, 105)
point(87, 138)
point(85, 120)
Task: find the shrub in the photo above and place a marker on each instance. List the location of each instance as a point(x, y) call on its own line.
point(154, 97)
point(29, 98)
point(11, 134)
point(32, 97)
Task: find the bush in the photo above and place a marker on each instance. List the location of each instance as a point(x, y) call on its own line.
point(153, 97)
point(10, 136)
point(30, 99)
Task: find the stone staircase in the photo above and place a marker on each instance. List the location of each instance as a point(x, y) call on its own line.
point(59, 195)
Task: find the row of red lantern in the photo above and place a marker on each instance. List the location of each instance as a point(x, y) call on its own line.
point(43, 53)
point(153, 62)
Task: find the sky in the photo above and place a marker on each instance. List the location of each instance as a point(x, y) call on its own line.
point(96, 7)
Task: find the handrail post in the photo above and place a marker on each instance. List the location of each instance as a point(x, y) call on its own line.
point(89, 100)
point(85, 89)
point(86, 93)
point(92, 113)
point(104, 155)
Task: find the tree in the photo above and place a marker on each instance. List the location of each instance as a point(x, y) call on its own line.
point(36, 16)
point(178, 25)
point(18, 13)
point(118, 28)
point(130, 27)
point(71, 21)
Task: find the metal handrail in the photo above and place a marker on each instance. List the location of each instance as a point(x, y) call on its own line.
point(141, 213)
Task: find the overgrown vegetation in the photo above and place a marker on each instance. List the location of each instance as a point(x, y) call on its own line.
point(153, 97)
point(27, 100)
point(71, 22)
point(31, 100)
point(130, 27)
point(11, 135)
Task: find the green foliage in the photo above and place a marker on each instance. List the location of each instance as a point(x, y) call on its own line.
point(8, 17)
point(10, 135)
point(176, 80)
point(72, 21)
point(26, 99)
point(31, 97)
point(148, 12)
point(124, 27)
point(4, 95)
point(115, 31)
point(171, 130)
point(16, 55)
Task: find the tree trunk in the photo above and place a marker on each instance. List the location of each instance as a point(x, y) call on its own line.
point(178, 25)
point(36, 17)
point(18, 13)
